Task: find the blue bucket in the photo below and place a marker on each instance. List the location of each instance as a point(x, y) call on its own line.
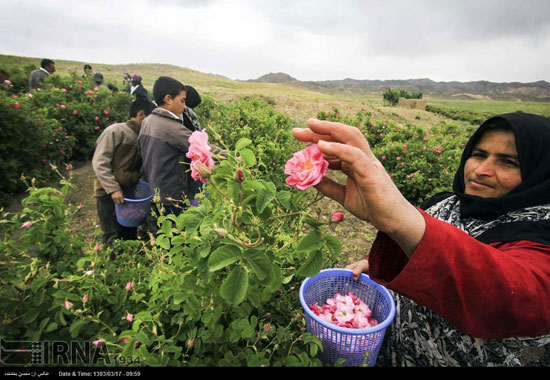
point(136, 206)
point(358, 347)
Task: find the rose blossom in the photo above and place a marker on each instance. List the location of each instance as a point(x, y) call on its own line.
point(26, 225)
point(200, 155)
point(337, 217)
point(345, 311)
point(130, 317)
point(306, 168)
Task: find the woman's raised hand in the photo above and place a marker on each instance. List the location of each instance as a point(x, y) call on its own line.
point(369, 192)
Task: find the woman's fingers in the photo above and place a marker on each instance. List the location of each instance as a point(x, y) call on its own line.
point(358, 268)
point(332, 189)
point(319, 130)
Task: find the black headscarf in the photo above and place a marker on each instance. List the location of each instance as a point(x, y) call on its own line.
point(532, 134)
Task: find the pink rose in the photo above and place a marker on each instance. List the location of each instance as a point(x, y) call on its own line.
point(75, 112)
point(68, 305)
point(26, 225)
point(16, 105)
point(129, 286)
point(200, 155)
point(85, 298)
point(337, 217)
point(306, 168)
point(130, 317)
point(99, 343)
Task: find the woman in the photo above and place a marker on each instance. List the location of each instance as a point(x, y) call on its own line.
point(471, 270)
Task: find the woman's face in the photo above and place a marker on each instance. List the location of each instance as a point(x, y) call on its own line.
point(493, 170)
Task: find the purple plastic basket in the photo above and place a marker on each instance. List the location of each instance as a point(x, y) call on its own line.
point(136, 206)
point(358, 347)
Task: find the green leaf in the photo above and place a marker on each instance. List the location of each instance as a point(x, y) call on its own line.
point(75, 327)
point(310, 242)
point(234, 190)
point(312, 265)
point(242, 143)
point(259, 263)
point(51, 327)
point(179, 298)
point(333, 244)
point(312, 222)
point(223, 256)
point(30, 315)
point(235, 286)
point(38, 283)
point(284, 197)
point(265, 196)
point(253, 184)
point(248, 157)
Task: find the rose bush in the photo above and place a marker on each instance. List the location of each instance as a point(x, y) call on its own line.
point(54, 125)
point(421, 161)
point(218, 284)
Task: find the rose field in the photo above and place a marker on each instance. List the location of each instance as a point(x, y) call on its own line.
point(218, 285)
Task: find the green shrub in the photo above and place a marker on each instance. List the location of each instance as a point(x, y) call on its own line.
point(391, 96)
point(56, 124)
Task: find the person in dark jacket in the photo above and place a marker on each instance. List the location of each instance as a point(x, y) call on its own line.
point(137, 88)
point(47, 68)
point(163, 143)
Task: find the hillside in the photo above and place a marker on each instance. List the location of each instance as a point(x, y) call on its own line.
point(514, 91)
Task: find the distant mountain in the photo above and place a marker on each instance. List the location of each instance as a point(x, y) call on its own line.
point(275, 78)
point(516, 91)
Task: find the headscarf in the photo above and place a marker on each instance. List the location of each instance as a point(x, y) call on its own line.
point(522, 214)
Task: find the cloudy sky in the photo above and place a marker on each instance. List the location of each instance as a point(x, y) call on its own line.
point(444, 40)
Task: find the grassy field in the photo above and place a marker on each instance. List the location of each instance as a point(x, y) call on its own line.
point(493, 106)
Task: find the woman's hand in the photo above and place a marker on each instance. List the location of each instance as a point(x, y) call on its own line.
point(369, 192)
point(358, 268)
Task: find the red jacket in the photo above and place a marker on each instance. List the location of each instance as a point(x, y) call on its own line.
point(488, 291)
